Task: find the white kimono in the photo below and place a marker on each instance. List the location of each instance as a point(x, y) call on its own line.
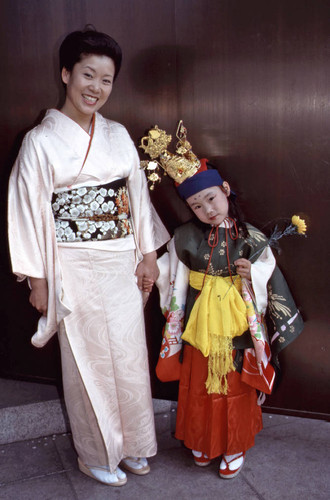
point(93, 299)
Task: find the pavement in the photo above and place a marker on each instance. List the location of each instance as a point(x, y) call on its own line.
point(290, 461)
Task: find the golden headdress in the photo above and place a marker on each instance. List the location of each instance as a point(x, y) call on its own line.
point(179, 165)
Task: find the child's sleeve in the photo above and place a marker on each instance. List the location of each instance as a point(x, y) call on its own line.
point(173, 280)
point(257, 370)
point(172, 284)
point(261, 271)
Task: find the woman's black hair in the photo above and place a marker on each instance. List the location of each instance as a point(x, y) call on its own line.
point(89, 41)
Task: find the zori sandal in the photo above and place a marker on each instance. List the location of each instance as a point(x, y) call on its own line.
point(103, 474)
point(136, 465)
point(231, 465)
point(200, 458)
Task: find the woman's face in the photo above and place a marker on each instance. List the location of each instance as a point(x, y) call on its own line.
point(88, 86)
point(211, 204)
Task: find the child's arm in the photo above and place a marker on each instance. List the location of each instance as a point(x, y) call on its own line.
point(172, 281)
point(257, 274)
point(172, 284)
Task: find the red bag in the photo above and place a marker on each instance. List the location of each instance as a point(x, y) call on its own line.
point(250, 373)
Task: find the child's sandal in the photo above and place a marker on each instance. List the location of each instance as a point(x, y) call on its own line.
point(200, 459)
point(231, 465)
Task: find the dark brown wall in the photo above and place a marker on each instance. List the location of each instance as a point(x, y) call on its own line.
point(250, 79)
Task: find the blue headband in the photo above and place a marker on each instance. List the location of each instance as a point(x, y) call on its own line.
point(198, 182)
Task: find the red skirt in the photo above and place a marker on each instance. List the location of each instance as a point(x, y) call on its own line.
point(215, 423)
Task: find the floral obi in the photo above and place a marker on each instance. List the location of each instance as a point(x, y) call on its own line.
point(92, 213)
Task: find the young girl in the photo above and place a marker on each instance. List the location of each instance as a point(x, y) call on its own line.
point(201, 277)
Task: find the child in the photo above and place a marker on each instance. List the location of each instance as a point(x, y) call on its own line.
point(201, 276)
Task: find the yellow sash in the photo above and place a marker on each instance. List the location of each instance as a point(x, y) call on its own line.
point(218, 315)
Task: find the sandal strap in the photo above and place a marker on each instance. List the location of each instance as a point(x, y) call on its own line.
point(237, 455)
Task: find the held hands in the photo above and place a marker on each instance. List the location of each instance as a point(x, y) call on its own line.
point(39, 294)
point(243, 268)
point(147, 272)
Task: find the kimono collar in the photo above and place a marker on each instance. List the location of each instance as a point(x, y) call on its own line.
point(92, 128)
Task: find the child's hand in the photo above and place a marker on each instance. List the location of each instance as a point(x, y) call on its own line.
point(147, 284)
point(259, 348)
point(145, 298)
point(243, 268)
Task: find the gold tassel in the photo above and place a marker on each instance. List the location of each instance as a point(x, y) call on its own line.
point(220, 363)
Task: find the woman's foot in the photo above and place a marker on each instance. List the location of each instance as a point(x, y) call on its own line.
point(231, 465)
point(136, 465)
point(200, 459)
point(103, 474)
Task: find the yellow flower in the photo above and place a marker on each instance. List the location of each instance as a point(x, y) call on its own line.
point(299, 223)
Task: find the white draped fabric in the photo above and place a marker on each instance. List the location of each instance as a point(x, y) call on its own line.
point(93, 294)
point(50, 160)
point(107, 338)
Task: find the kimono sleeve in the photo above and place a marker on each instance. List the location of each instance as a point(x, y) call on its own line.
point(29, 212)
point(31, 231)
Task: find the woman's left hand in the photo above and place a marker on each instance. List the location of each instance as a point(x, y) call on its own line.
point(147, 272)
point(243, 268)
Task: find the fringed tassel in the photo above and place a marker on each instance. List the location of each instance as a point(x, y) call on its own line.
point(220, 363)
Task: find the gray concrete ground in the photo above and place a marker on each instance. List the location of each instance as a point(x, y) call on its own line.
point(289, 461)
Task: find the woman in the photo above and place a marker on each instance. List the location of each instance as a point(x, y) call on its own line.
point(83, 231)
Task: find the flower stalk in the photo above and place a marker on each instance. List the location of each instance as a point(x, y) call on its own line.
point(297, 226)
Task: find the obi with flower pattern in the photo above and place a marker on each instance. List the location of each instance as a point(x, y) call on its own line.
point(92, 213)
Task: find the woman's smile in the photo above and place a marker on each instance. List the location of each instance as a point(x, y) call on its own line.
point(90, 99)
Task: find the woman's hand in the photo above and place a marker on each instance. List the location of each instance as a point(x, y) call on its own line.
point(39, 294)
point(243, 268)
point(147, 272)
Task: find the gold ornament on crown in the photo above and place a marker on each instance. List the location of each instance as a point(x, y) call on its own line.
point(179, 165)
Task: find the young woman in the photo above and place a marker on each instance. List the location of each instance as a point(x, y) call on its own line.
point(83, 231)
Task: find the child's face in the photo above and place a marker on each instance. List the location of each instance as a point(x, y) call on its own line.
point(211, 204)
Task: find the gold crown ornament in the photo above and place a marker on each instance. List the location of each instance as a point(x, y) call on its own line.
point(179, 165)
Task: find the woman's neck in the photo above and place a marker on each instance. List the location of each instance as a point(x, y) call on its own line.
point(84, 121)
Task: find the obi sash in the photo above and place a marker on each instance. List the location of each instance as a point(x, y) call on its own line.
point(92, 213)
